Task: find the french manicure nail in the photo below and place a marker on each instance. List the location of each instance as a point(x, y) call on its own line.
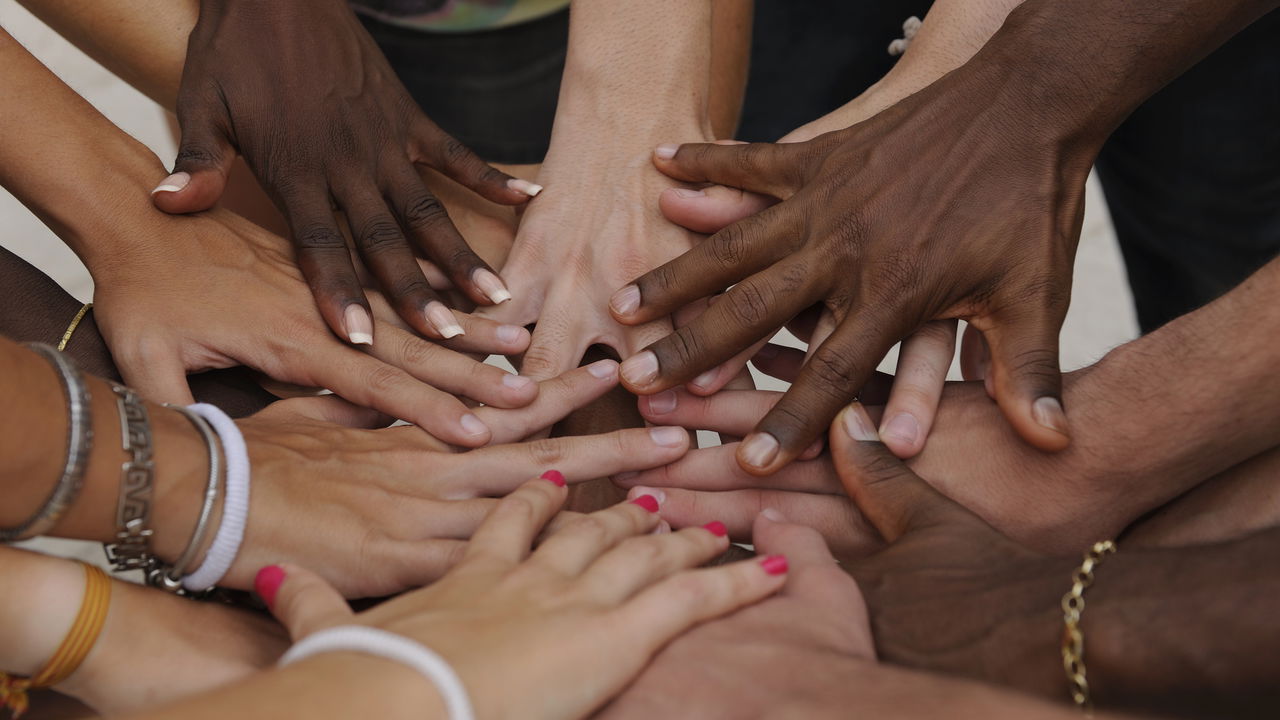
point(173, 183)
point(491, 285)
point(668, 436)
point(626, 300)
point(472, 425)
point(857, 425)
point(554, 476)
point(524, 186)
point(774, 564)
point(904, 427)
point(648, 502)
point(773, 515)
point(1048, 412)
point(688, 193)
point(759, 449)
point(359, 325)
point(516, 382)
point(442, 319)
point(602, 369)
point(511, 334)
point(640, 369)
point(666, 152)
point(662, 403)
point(704, 380)
point(717, 528)
point(267, 583)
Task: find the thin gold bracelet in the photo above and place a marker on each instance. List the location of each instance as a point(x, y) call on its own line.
point(75, 323)
point(1072, 637)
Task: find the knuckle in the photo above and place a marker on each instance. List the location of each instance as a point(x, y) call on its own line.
point(453, 152)
point(412, 286)
point(416, 352)
point(647, 551)
point(685, 344)
point(383, 378)
point(319, 237)
point(751, 303)
point(380, 235)
point(729, 246)
point(591, 529)
point(425, 211)
point(547, 452)
point(199, 154)
point(834, 372)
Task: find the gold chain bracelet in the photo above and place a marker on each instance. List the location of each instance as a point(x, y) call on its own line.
point(1072, 638)
point(75, 323)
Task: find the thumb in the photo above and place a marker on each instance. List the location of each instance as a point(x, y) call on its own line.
point(205, 157)
point(710, 209)
point(888, 493)
point(1028, 380)
point(301, 600)
point(157, 376)
point(329, 409)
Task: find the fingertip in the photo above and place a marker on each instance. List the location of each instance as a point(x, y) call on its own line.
point(513, 337)
point(267, 584)
point(902, 435)
point(759, 453)
point(625, 302)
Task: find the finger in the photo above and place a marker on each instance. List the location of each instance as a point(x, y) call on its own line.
point(779, 361)
point(740, 250)
point(301, 600)
point(453, 372)
point(768, 168)
point(734, 412)
point(451, 157)
point(570, 551)
point(556, 398)
point(506, 536)
point(710, 209)
point(975, 355)
point(835, 373)
point(204, 160)
point(888, 493)
point(923, 362)
point(483, 335)
point(638, 562)
point(802, 545)
point(325, 262)
point(713, 380)
point(1028, 379)
point(554, 349)
point(328, 409)
point(157, 373)
point(716, 469)
point(580, 458)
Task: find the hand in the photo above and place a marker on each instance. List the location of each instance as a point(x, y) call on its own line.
point(885, 253)
point(232, 295)
point(320, 117)
point(597, 594)
point(793, 645)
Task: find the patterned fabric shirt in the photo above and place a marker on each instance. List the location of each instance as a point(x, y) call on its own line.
point(457, 15)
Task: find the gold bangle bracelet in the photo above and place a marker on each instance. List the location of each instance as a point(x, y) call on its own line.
point(1072, 637)
point(75, 323)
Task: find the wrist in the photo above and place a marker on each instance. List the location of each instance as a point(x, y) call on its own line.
point(37, 611)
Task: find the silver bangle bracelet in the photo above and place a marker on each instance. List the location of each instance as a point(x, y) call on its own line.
point(172, 579)
point(79, 445)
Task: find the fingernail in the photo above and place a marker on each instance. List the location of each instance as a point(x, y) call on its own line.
point(510, 334)
point(648, 502)
point(554, 476)
point(662, 403)
point(703, 381)
point(773, 515)
point(813, 450)
point(442, 319)
point(267, 583)
point(640, 369)
point(759, 449)
point(524, 186)
point(666, 152)
point(472, 425)
point(687, 193)
point(623, 477)
point(491, 285)
point(173, 183)
point(1048, 412)
point(668, 436)
point(516, 382)
point(857, 425)
point(663, 528)
point(626, 300)
point(717, 528)
point(602, 369)
point(904, 427)
point(359, 325)
point(640, 491)
point(774, 564)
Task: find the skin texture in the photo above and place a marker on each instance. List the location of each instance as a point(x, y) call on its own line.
point(597, 593)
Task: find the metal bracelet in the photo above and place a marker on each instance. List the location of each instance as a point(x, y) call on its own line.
point(1072, 637)
point(79, 445)
point(132, 548)
point(171, 580)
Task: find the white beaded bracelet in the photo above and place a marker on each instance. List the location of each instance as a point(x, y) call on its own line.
point(235, 508)
point(372, 641)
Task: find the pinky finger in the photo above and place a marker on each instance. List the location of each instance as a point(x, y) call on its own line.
point(301, 600)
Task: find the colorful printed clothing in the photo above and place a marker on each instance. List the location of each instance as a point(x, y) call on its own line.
point(457, 15)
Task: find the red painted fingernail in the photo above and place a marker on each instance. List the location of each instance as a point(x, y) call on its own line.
point(267, 583)
point(554, 476)
point(648, 502)
point(717, 528)
point(774, 564)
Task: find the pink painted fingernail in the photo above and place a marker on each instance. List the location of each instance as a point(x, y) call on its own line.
point(1048, 412)
point(524, 186)
point(516, 382)
point(668, 436)
point(774, 564)
point(472, 425)
point(857, 425)
point(358, 324)
point(662, 403)
point(759, 449)
point(602, 369)
point(173, 183)
point(626, 300)
point(648, 502)
point(491, 285)
point(511, 334)
point(442, 319)
point(267, 583)
point(640, 369)
point(666, 152)
point(704, 381)
point(554, 476)
point(717, 528)
point(688, 193)
point(904, 427)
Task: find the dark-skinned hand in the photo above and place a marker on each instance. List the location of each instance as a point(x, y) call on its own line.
point(303, 93)
point(953, 203)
